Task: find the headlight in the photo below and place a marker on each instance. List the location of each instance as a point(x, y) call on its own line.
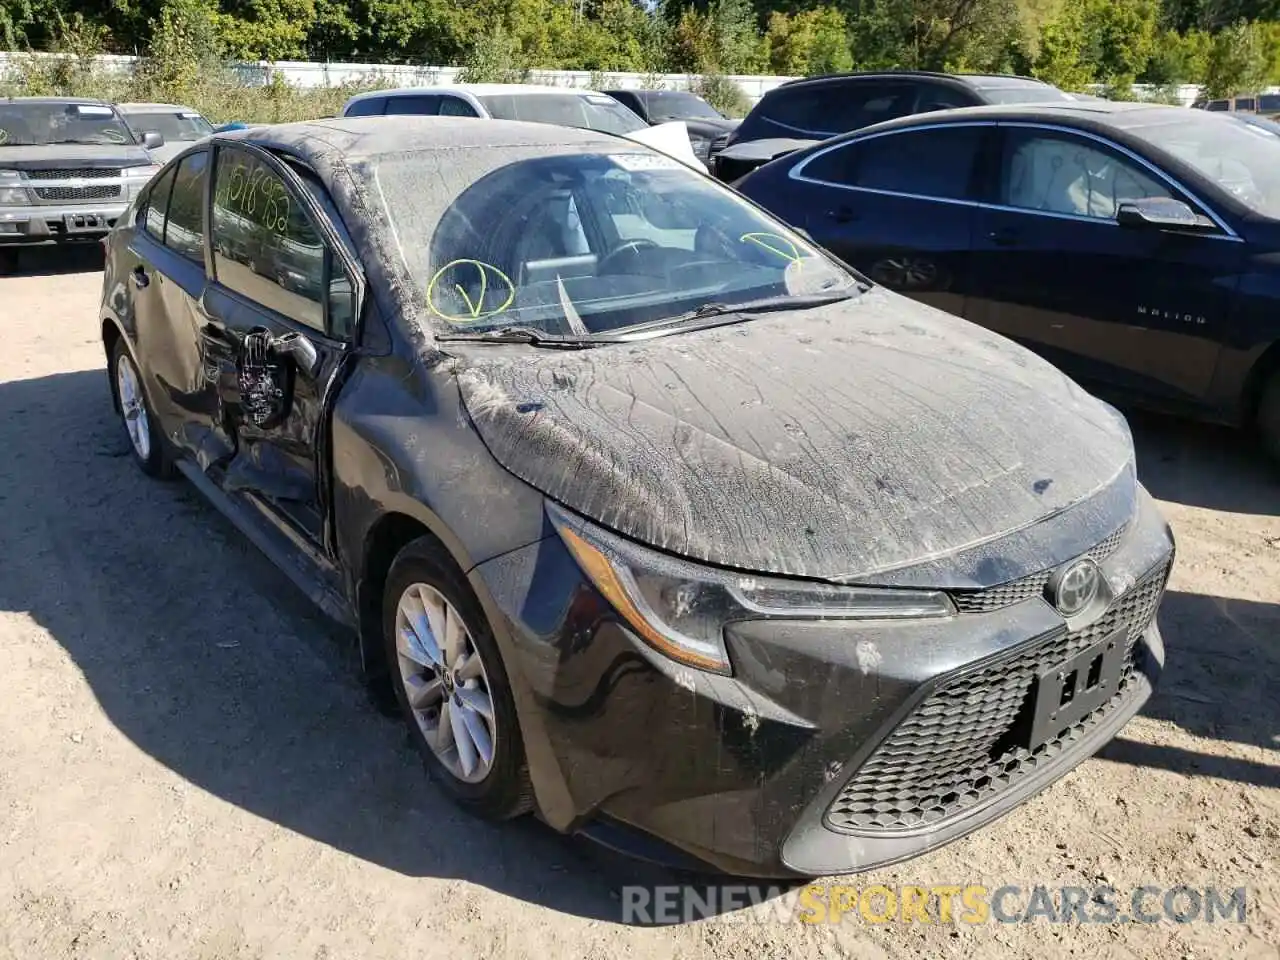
point(142, 174)
point(11, 194)
point(701, 149)
point(681, 608)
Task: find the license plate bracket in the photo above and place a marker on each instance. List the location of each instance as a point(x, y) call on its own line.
point(1069, 692)
point(84, 222)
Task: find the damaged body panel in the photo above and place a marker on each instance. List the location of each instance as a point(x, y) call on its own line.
point(611, 470)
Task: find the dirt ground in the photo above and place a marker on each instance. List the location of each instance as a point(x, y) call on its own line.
point(190, 768)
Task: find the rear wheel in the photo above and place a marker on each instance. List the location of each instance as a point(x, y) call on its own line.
point(139, 422)
point(452, 686)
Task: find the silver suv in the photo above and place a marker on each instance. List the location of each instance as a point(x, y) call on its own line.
point(68, 169)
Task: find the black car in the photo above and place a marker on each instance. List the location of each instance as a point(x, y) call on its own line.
point(800, 112)
point(706, 124)
point(1132, 245)
point(656, 519)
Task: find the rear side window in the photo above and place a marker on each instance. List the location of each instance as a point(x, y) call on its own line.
point(936, 163)
point(157, 205)
point(1269, 102)
point(421, 105)
point(456, 107)
point(372, 107)
point(837, 108)
point(184, 226)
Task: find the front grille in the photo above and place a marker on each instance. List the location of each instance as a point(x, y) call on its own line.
point(105, 191)
point(719, 143)
point(1033, 585)
point(75, 173)
point(960, 747)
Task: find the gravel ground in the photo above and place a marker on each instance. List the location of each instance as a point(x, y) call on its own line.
point(189, 766)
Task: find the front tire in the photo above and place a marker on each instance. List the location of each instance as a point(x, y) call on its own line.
point(145, 439)
point(451, 685)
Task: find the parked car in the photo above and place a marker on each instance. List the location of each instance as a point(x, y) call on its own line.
point(1130, 244)
point(585, 109)
point(642, 504)
point(178, 125)
point(1266, 104)
point(705, 122)
point(68, 169)
point(801, 112)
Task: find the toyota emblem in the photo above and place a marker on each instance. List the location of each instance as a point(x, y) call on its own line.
point(1074, 587)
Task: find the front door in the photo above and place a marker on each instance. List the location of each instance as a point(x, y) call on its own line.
point(282, 303)
point(898, 208)
point(1136, 310)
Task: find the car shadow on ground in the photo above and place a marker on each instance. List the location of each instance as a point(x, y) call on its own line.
point(1203, 465)
point(51, 261)
point(209, 661)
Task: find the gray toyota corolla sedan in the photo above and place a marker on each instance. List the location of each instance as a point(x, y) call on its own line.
point(657, 520)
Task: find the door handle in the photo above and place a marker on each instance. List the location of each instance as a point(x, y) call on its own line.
point(1005, 237)
point(842, 215)
point(140, 278)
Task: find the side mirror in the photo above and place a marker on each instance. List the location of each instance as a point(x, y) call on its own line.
point(151, 139)
point(1161, 213)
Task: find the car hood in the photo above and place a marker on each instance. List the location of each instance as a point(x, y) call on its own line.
point(765, 150)
point(68, 154)
point(834, 443)
point(707, 129)
point(672, 139)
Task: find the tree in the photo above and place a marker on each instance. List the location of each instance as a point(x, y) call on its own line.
point(808, 43)
point(1237, 61)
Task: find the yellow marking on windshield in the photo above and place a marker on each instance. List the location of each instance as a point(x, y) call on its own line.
point(475, 308)
point(774, 243)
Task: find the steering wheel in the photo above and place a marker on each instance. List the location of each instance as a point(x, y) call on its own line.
point(626, 247)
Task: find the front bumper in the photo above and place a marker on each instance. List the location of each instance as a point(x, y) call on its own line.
point(63, 223)
point(835, 747)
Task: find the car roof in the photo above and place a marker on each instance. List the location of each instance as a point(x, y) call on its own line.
point(970, 79)
point(1097, 113)
point(359, 138)
point(88, 101)
point(475, 89)
point(154, 108)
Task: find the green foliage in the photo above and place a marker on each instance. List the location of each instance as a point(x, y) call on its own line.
point(807, 43)
point(1237, 61)
point(1229, 44)
point(723, 94)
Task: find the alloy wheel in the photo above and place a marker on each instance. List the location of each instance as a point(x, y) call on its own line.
point(445, 683)
point(133, 408)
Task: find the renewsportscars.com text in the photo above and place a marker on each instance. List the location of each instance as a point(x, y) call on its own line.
point(936, 904)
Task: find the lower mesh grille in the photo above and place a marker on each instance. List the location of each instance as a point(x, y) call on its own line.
point(104, 192)
point(959, 747)
point(993, 598)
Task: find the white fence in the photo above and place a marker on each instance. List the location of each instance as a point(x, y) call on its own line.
point(304, 74)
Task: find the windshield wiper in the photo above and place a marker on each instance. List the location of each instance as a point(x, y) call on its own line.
point(724, 313)
point(528, 335)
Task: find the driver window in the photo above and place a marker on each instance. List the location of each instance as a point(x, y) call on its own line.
point(1061, 174)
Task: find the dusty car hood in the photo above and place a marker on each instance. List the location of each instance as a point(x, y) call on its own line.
point(836, 443)
point(72, 154)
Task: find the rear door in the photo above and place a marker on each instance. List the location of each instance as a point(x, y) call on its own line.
point(169, 286)
point(1136, 310)
point(282, 299)
point(898, 207)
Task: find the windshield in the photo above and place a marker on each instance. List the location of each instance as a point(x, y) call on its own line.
point(1023, 93)
point(581, 244)
point(37, 124)
point(586, 111)
point(1241, 158)
point(679, 106)
point(181, 126)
